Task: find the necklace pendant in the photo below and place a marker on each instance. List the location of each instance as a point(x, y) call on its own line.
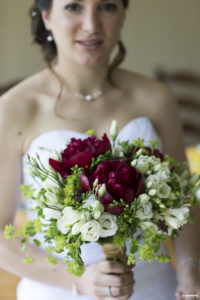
point(88, 97)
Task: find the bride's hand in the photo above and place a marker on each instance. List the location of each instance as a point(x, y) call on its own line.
point(99, 282)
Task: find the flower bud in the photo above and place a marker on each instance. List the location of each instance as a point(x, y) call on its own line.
point(114, 130)
point(102, 190)
point(95, 183)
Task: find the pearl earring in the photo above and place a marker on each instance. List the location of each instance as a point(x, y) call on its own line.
point(50, 38)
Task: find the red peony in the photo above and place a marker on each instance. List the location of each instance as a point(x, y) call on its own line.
point(80, 152)
point(122, 182)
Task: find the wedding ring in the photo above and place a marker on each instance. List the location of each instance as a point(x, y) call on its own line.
point(109, 291)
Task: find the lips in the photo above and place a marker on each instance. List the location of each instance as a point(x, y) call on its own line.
point(93, 42)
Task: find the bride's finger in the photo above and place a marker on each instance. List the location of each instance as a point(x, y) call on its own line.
point(112, 291)
point(113, 280)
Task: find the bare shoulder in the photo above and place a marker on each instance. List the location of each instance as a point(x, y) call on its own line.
point(19, 105)
point(157, 102)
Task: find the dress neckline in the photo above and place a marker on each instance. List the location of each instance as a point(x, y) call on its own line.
point(82, 134)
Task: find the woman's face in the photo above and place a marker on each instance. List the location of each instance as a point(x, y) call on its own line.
point(85, 31)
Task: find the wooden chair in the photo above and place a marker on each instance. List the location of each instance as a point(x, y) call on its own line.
point(186, 87)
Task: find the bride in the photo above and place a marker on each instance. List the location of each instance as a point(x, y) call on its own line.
point(85, 89)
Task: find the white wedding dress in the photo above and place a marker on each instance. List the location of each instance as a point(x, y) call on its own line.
point(153, 281)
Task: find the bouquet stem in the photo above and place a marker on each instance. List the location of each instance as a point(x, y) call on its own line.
point(111, 252)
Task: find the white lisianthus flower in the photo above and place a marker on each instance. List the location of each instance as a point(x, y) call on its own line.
point(108, 224)
point(76, 228)
point(70, 216)
point(145, 211)
point(152, 181)
point(164, 173)
point(143, 198)
point(176, 217)
point(50, 213)
point(142, 164)
point(163, 190)
point(60, 227)
point(91, 231)
point(153, 161)
point(85, 215)
point(96, 206)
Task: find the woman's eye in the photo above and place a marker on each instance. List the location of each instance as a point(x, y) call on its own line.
point(74, 7)
point(109, 7)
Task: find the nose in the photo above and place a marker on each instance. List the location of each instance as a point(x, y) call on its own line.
point(91, 22)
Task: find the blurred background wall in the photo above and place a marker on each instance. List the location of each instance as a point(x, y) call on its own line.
point(157, 32)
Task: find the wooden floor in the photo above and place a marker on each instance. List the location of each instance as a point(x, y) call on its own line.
point(8, 284)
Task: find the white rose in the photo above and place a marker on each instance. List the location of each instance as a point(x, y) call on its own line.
point(60, 227)
point(70, 216)
point(91, 231)
point(163, 190)
point(145, 211)
point(108, 224)
point(76, 228)
point(50, 213)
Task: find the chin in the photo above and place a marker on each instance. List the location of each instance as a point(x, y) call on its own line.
point(94, 61)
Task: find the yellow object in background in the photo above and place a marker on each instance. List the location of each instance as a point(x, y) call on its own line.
point(193, 156)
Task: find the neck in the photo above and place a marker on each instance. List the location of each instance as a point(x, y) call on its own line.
point(83, 79)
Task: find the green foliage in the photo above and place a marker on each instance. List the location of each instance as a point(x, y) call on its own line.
point(102, 157)
point(151, 244)
point(60, 243)
point(75, 268)
point(8, 232)
point(72, 186)
point(51, 231)
point(29, 228)
point(27, 191)
point(37, 243)
point(52, 260)
point(28, 260)
point(90, 132)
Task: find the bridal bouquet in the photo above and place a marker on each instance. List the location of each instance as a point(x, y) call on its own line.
point(104, 191)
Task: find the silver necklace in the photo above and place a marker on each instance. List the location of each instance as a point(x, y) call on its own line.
point(89, 97)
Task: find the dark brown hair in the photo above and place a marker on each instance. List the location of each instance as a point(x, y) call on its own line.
point(40, 34)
